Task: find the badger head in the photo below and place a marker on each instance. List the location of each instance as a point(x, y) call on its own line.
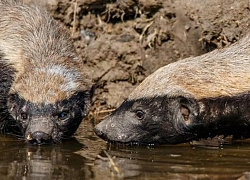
point(149, 121)
point(49, 103)
point(159, 110)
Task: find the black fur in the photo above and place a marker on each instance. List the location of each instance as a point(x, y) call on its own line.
point(156, 125)
point(6, 79)
point(225, 116)
point(163, 121)
point(59, 120)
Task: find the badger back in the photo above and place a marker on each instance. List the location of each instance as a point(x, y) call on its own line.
point(220, 73)
point(41, 52)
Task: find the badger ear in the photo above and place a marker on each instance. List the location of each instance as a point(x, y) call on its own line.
point(187, 110)
point(12, 97)
point(183, 111)
point(87, 97)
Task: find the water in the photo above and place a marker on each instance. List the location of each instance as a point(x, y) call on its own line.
point(84, 158)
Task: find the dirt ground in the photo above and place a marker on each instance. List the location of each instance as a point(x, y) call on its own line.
point(130, 39)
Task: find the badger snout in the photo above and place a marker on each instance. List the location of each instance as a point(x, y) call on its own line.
point(38, 137)
point(40, 131)
point(101, 131)
point(109, 130)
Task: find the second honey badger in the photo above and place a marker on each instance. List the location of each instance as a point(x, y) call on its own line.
point(194, 98)
point(49, 92)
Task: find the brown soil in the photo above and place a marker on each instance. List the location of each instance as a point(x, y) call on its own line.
point(129, 39)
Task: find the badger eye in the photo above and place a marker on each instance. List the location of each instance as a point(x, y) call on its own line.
point(24, 116)
point(140, 114)
point(63, 115)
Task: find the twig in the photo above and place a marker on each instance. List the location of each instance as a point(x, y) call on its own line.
point(114, 167)
point(144, 31)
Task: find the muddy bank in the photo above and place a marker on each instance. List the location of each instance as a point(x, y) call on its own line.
point(132, 38)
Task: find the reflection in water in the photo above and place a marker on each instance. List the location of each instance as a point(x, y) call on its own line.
point(41, 162)
point(84, 158)
point(185, 162)
point(118, 167)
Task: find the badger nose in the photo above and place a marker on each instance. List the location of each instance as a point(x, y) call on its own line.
point(38, 137)
point(98, 132)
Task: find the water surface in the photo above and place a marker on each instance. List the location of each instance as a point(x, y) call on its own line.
point(84, 157)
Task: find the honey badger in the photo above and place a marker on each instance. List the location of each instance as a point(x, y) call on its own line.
point(45, 91)
point(194, 98)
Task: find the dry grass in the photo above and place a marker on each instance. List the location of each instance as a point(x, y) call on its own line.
point(98, 115)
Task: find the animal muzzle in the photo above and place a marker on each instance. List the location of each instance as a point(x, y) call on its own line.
point(110, 131)
point(101, 130)
point(39, 131)
point(38, 137)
